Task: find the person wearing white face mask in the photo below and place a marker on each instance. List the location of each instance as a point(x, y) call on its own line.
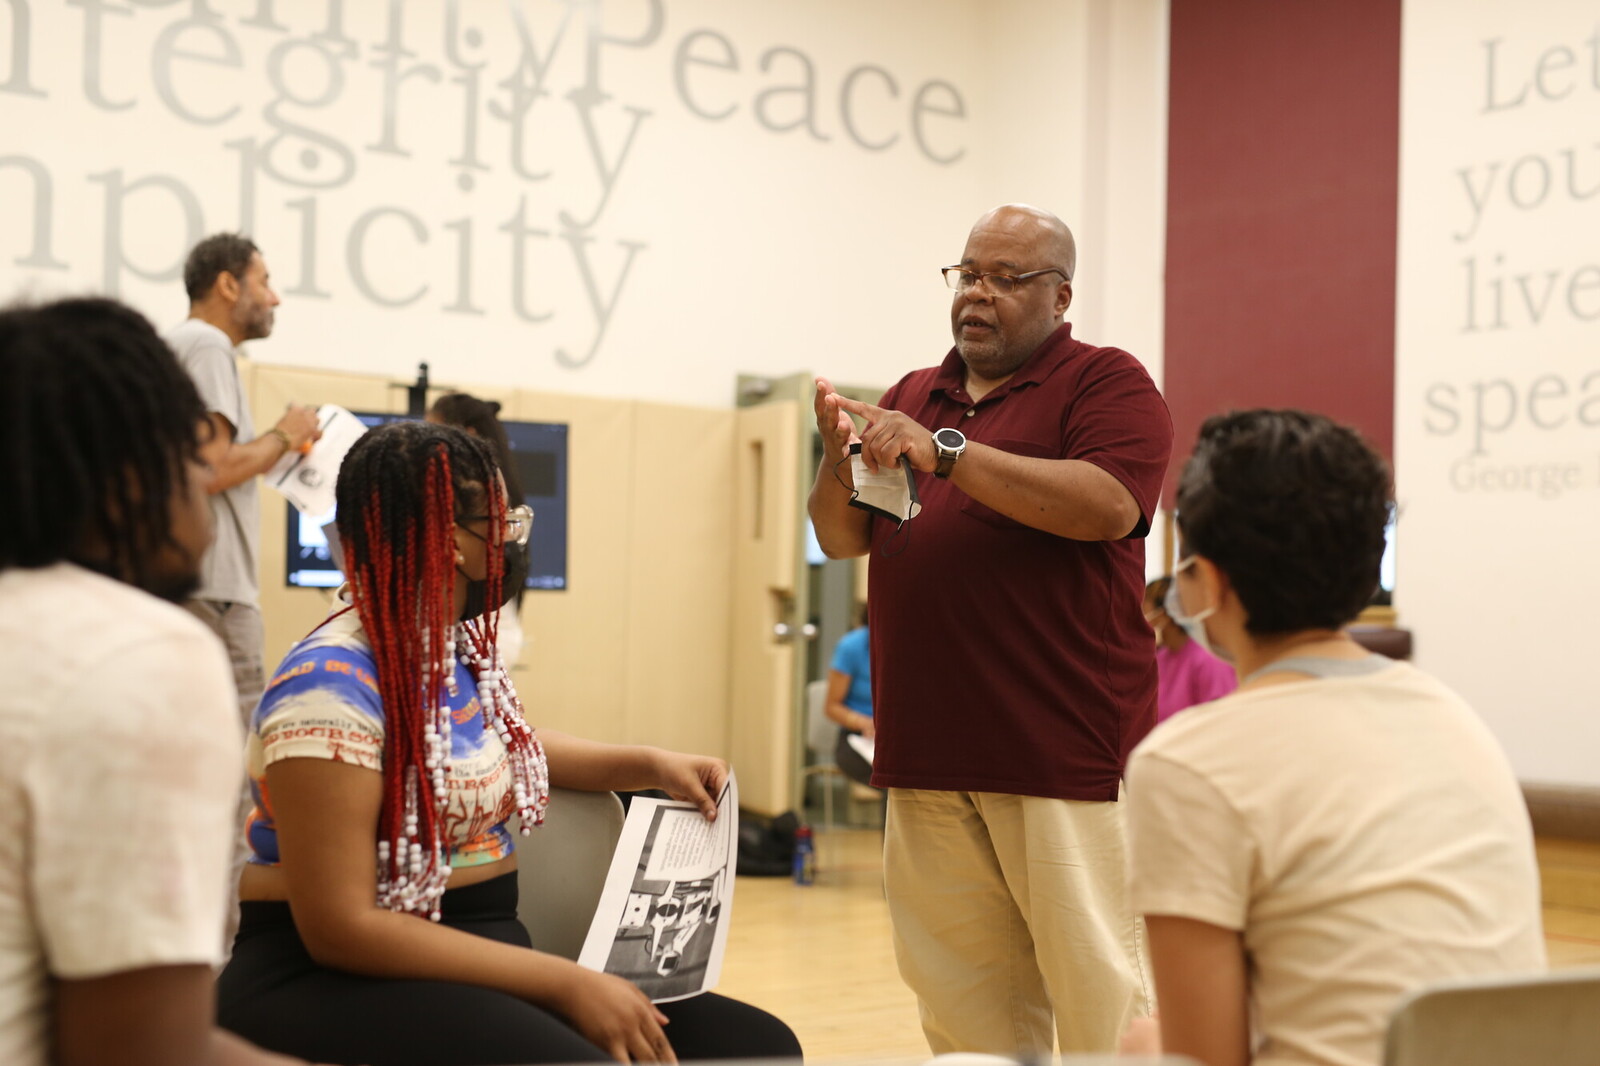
point(1342, 829)
point(1189, 673)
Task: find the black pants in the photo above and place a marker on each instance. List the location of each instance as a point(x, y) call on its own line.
point(273, 994)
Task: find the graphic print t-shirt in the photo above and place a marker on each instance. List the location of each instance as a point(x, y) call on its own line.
point(323, 703)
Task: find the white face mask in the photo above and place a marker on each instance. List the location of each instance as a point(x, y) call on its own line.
point(1193, 624)
point(891, 492)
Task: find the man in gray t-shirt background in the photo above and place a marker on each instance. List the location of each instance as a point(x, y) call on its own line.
point(231, 301)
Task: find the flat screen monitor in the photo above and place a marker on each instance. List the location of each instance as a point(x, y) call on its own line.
point(539, 451)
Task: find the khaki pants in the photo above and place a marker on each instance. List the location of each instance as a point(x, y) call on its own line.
point(1011, 921)
point(238, 626)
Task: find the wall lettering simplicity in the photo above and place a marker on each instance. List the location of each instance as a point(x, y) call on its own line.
point(281, 97)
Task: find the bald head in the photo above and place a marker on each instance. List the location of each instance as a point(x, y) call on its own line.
point(996, 332)
point(1032, 223)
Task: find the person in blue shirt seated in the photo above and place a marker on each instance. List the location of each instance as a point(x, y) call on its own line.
point(849, 701)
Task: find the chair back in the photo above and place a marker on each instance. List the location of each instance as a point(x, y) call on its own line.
point(822, 734)
point(1543, 1020)
point(562, 866)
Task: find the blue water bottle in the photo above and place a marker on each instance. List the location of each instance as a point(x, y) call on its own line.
point(805, 857)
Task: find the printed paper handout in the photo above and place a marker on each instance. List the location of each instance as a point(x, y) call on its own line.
point(662, 921)
point(307, 479)
point(866, 747)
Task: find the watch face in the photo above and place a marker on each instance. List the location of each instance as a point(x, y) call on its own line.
point(949, 439)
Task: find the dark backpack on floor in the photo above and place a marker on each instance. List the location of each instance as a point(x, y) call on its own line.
point(766, 845)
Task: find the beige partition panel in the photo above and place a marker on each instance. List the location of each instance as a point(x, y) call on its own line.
point(289, 613)
point(635, 649)
point(572, 675)
point(681, 577)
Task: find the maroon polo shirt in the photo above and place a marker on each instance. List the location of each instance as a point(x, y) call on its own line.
point(1004, 658)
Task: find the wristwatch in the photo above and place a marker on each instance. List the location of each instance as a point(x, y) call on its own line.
point(949, 444)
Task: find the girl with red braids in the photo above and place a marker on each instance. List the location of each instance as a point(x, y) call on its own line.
point(379, 909)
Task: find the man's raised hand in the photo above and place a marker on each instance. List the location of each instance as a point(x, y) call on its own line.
point(838, 432)
point(889, 435)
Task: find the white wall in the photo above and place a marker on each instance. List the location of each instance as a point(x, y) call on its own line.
point(381, 180)
point(1497, 436)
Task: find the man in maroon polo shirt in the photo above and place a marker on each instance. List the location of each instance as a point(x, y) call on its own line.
point(1013, 669)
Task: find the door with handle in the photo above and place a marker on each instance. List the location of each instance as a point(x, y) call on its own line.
point(770, 624)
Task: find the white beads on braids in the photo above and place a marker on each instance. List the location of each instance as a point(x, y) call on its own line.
point(447, 666)
point(422, 874)
point(502, 712)
point(436, 759)
point(421, 882)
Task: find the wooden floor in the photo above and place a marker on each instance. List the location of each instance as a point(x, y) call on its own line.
point(1570, 873)
point(819, 956)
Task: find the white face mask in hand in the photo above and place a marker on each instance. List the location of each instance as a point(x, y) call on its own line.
point(1193, 624)
point(891, 492)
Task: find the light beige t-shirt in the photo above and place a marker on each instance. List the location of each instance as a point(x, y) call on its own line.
point(120, 762)
point(1365, 833)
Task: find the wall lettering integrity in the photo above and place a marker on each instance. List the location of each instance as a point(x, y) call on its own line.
point(507, 121)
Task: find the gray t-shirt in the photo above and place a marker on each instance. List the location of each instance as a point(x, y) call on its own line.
point(228, 572)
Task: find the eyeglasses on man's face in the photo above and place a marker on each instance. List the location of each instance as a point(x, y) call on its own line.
point(519, 524)
point(961, 279)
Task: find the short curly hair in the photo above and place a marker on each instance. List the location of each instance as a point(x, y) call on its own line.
point(97, 422)
point(220, 253)
point(1292, 507)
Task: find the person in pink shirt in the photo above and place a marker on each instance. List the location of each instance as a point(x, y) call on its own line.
point(1188, 673)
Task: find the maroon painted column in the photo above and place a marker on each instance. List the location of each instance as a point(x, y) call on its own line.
point(1282, 193)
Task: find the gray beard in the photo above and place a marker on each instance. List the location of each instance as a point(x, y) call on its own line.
point(984, 352)
point(987, 360)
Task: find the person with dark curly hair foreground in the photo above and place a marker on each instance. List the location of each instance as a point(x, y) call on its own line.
point(1343, 828)
point(120, 752)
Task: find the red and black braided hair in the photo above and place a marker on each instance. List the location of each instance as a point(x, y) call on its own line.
point(402, 488)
